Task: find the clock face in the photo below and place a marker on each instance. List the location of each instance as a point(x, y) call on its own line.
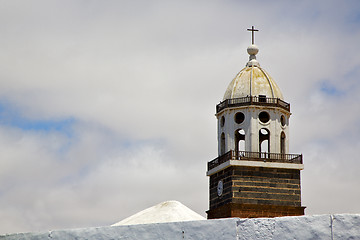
point(220, 188)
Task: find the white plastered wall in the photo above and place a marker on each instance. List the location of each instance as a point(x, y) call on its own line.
point(252, 125)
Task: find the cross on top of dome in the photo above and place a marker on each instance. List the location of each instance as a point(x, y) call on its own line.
point(252, 49)
point(252, 29)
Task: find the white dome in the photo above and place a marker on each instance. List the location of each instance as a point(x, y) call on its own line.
point(252, 80)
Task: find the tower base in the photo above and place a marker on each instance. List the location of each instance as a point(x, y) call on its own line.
point(254, 211)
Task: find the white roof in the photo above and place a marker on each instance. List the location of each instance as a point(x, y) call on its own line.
point(169, 211)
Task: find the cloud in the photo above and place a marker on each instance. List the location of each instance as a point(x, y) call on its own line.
point(108, 108)
point(98, 179)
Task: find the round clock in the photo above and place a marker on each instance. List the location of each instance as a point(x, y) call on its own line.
point(220, 188)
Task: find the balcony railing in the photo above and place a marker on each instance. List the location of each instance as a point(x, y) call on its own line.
point(253, 100)
point(255, 156)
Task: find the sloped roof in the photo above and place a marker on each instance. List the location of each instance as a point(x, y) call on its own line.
point(169, 211)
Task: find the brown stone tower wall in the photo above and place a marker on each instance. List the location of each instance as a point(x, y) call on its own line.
point(256, 192)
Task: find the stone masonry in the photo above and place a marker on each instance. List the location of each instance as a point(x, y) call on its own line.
point(256, 192)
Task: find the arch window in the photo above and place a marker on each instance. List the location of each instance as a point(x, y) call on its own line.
point(239, 141)
point(282, 121)
point(222, 121)
point(222, 144)
point(264, 141)
point(282, 143)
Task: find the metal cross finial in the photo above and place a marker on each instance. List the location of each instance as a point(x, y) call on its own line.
point(252, 33)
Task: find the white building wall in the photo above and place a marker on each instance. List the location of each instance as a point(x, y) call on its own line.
point(339, 226)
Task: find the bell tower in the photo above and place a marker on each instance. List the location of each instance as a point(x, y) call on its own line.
point(254, 175)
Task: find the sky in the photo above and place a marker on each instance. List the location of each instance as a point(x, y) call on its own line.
point(107, 107)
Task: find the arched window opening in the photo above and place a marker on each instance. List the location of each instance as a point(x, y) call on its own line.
point(239, 141)
point(282, 120)
point(264, 141)
point(222, 144)
point(222, 121)
point(282, 143)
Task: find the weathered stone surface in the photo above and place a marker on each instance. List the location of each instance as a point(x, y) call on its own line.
point(339, 226)
point(259, 228)
point(303, 227)
point(261, 186)
point(254, 211)
point(345, 226)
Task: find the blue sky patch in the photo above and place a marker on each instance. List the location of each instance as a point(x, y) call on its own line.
point(10, 116)
point(329, 89)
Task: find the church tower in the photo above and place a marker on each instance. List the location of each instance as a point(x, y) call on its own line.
point(254, 175)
